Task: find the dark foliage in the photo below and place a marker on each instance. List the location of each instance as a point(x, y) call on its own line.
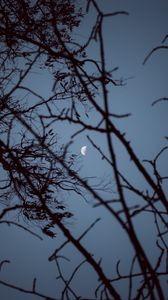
point(38, 172)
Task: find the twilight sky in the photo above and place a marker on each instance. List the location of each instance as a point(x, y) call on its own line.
point(129, 39)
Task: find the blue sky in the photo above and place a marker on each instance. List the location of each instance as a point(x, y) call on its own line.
point(129, 39)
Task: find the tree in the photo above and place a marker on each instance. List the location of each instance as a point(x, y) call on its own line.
point(37, 172)
point(27, 30)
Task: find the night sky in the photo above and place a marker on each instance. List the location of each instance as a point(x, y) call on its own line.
point(129, 40)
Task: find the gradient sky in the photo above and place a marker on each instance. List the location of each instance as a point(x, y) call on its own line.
point(129, 40)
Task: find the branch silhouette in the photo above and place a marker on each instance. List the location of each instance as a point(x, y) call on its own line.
point(38, 172)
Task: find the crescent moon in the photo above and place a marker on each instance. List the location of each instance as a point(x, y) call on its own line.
point(83, 150)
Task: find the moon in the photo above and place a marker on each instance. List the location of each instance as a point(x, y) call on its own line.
point(83, 150)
